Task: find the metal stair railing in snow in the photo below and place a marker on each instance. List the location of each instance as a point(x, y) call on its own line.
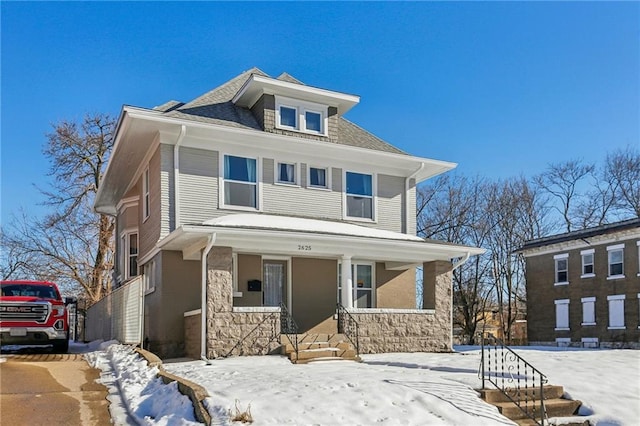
point(518, 380)
point(348, 326)
point(288, 327)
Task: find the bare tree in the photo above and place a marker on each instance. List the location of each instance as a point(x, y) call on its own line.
point(622, 171)
point(562, 181)
point(71, 244)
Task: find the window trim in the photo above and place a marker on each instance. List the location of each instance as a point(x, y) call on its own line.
point(276, 173)
point(591, 300)
point(327, 170)
point(146, 210)
point(610, 250)
point(562, 302)
point(125, 255)
point(374, 198)
point(234, 277)
point(354, 290)
point(584, 253)
point(302, 107)
point(147, 277)
point(222, 180)
point(556, 258)
point(611, 298)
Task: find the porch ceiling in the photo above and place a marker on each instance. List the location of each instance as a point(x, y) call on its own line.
point(315, 240)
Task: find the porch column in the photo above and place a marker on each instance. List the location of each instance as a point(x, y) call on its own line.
point(347, 282)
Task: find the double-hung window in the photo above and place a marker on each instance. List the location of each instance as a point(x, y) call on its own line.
point(359, 194)
point(129, 254)
point(363, 282)
point(149, 273)
point(318, 177)
point(288, 117)
point(616, 261)
point(145, 194)
point(561, 268)
point(286, 173)
point(240, 181)
point(587, 263)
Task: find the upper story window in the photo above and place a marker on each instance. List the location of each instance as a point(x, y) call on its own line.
point(318, 177)
point(562, 268)
point(616, 261)
point(129, 254)
point(587, 263)
point(287, 173)
point(359, 193)
point(240, 181)
point(301, 116)
point(145, 194)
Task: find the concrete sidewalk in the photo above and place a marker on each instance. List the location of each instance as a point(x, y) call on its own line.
point(46, 389)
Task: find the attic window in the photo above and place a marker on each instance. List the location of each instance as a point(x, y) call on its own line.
point(301, 116)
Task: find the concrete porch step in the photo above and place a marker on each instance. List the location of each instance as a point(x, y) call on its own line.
point(318, 346)
point(554, 408)
point(530, 393)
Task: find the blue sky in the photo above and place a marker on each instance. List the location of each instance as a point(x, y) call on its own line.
point(503, 89)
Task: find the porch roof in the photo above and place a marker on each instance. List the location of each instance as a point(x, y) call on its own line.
point(294, 236)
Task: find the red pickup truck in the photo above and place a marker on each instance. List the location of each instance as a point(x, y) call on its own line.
point(34, 313)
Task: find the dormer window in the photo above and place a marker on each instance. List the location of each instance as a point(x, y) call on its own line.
point(301, 116)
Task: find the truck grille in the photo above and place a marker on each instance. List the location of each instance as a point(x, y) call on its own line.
point(37, 312)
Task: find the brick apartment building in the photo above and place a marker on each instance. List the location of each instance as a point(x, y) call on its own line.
point(583, 287)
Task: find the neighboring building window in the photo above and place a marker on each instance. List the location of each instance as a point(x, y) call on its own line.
point(589, 342)
point(318, 177)
point(616, 261)
point(563, 342)
point(359, 195)
point(145, 194)
point(562, 314)
point(616, 311)
point(588, 310)
point(286, 173)
point(240, 181)
point(149, 274)
point(288, 117)
point(562, 268)
point(129, 254)
point(587, 263)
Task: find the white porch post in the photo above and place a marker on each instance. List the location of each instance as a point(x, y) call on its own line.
point(347, 283)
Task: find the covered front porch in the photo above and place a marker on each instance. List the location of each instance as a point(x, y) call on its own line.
point(254, 264)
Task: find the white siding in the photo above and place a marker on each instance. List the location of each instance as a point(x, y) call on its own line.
point(149, 231)
point(167, 190)
point(390, 199)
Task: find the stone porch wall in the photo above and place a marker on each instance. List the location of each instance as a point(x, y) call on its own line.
point(401, 331)
point(235, 331)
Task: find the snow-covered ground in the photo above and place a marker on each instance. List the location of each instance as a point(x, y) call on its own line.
point(408, 388)
point(386, 389)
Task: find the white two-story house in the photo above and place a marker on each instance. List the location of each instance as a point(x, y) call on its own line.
point(259, 197)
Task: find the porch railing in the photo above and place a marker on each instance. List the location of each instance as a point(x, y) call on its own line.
point(517, 379)
point(348, 326)
point(288, 327)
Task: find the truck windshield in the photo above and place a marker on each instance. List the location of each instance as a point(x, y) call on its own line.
point(40, 291)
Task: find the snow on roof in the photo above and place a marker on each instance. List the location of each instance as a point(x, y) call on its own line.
point(288, 223)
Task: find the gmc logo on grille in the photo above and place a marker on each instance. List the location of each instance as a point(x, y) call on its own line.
point(18, 309)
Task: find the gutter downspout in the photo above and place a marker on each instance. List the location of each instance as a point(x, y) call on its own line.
point(176, 174)
point(461, 262)
point(203, 307)
point(407, 182)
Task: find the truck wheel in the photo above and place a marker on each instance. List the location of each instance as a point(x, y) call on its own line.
point(61, 346)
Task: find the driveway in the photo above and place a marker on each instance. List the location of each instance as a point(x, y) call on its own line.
point(51, 389)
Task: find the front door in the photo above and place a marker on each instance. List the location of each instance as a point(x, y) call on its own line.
point(275, 282)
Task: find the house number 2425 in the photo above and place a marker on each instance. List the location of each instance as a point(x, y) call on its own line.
point(304, 247)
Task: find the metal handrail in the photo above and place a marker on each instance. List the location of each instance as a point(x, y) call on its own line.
point(348, 326)
point(288, 326)
point(513, 376)
point(271, 316)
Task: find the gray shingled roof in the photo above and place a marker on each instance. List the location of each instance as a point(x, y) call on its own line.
point(216, 107)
